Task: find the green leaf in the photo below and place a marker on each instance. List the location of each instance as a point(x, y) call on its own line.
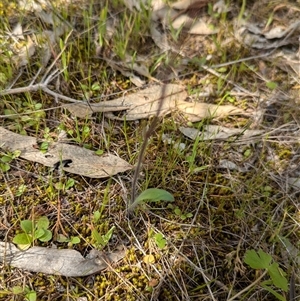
point(273, 292)
point(271, 85)
point(4, 167)
point(27, 226)
point(108, 235)
point(96, 216)
point(260, 260)
point(154, 195)
point(22, 239)
point(278, 276)
point(62, 238)
point(47, 236)
point(31, 296)
point(70, 183)
point(6, 159)
point(44, 146)
point(75, 240)
point(160, 240)
point(38, 233)
point(38, 106)
point(17, 290)
point(43, 222)
point(97, 237)
point(178, 212)
point(99, 152)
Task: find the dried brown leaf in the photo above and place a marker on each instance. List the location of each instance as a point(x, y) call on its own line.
point(64, 262)
point(83, 161)
point(197, 111)
point(142, 104)
point(212, 132)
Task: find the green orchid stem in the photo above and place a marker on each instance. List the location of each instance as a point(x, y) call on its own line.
point(249, 286)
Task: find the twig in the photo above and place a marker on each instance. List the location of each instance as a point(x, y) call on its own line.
point(248, 287)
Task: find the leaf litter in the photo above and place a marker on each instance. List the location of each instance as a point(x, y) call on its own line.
point(144, 104)
point(144, 109)
point(64, 262)
point(82, 161)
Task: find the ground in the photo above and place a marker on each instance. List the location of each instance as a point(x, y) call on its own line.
point(232, 231)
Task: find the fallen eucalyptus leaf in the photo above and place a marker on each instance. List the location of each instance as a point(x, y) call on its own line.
point(197, 111)
point(142, 104)
point(80, 160)
point(212, 132)
point(64, 262)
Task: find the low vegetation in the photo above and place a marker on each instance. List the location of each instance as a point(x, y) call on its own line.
point(213, 219)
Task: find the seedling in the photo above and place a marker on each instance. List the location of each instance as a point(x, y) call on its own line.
point(6, 158)
point(100, 241)
point(160, 240)
point(263, 261)
point(33, 230)
point(65, 186)
point(30, 295)
point(21, 189)
point(182, 215)
point(73, 240)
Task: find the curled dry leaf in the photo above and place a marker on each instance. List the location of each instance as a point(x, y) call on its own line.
point(81, 161)
point(64, 262)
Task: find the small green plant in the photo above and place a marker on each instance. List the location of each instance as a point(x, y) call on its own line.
point(262, 261)
point(73, 240)
point(6, 158)
point(271, 85)
point(89, 92)
point(65, 186)
point(151, 195)
point(30, 295)
point(100, 241)
point(21, 189)
point(33, 230)
point(178, 212)
point(25, 114)
point(160, 240)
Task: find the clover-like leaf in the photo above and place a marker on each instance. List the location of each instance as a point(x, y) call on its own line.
point(27, 226)
point(43, 222)
point(46, 236)
point(278, 276)
point(257, 260)
point(160, 240)
point(22, 239)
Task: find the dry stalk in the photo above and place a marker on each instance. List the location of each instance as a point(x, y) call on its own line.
point(147, 136)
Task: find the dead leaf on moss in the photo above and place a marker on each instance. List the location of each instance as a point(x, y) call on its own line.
point(64, 262)
point(81, 161)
